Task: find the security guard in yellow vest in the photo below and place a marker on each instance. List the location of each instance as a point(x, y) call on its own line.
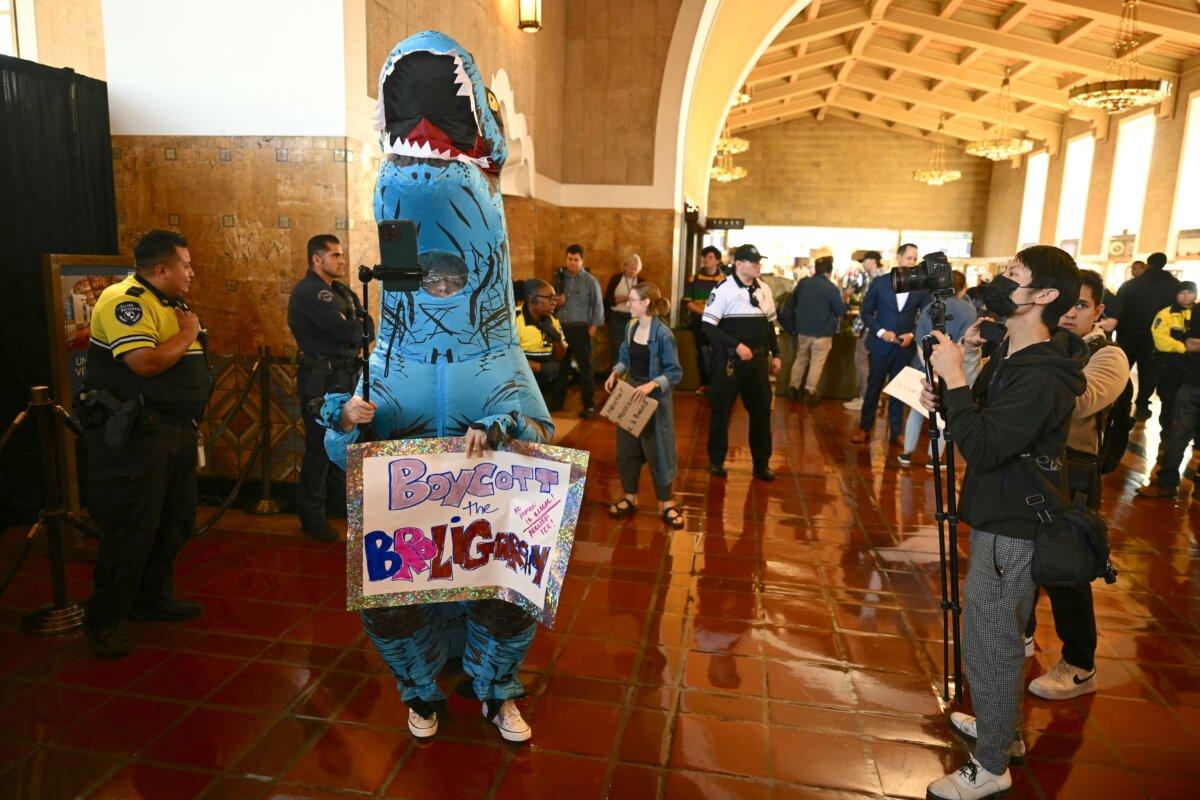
point(1167, 331)
point(146, 386)
point(541, 338)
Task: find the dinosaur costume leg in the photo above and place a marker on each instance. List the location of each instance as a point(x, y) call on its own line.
point(412, 642)
point(498, 636)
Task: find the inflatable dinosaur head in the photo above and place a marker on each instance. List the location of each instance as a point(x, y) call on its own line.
point(433, 104)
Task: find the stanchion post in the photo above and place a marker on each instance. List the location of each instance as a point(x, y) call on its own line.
point(266, 504)
point(63, 615)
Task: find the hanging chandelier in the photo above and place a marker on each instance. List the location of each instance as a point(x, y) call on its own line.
point(731, 145)
point(1004, 144)
point(725, 172)
point(1121, 88)
point(936, 173)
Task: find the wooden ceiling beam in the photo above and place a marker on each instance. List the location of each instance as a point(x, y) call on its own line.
point(797, 106)
point(909, 118)
point(857, 43)
point(799, 64)
point(1007, 44)
point(819, 28)
point(1174, 23)
point(1076, 30)
point(1013, 16)
point(987, 112)
point(764, 98)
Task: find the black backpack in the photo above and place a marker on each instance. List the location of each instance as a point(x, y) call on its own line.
point(1114, 423)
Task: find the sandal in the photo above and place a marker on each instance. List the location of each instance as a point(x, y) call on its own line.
point(622, 508)
point(672, 517)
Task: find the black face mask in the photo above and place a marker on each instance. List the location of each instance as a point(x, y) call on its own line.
point(997, 296)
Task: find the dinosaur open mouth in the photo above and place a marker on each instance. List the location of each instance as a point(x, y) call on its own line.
point(445, 273)
point(428, 110)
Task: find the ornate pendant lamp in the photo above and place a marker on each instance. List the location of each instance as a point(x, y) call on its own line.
point(731, 145)
point(1122, 88)
point(724, 171)
point(1004, 143)
point(936, 173)
point(742, 97)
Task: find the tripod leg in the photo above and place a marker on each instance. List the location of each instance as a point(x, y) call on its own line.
point(955, 603)
point(19, 559)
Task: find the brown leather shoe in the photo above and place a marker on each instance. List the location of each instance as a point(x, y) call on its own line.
point(860, 437)
point(1155, 490)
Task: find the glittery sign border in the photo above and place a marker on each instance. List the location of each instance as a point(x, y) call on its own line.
point(557, 571)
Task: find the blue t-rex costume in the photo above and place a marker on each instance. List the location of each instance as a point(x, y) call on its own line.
point(447, 356)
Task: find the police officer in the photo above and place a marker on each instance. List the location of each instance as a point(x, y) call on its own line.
point(323, 314)
point(145, 388)
point(739, 321)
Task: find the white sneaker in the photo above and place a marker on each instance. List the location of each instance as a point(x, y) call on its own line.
point(853, 405)
point(1029, 647)
point(1063, 682)
point(509, 722)
point(421, 727)
point(965, 725)
point(971, 781)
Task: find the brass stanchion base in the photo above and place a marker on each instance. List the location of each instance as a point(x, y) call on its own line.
point(267, 505)
point(51, 621)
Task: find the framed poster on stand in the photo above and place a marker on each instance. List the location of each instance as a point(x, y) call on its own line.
point(73, 282)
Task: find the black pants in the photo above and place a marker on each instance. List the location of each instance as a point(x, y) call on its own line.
point(1072, 606)
point(1184, 427)
point(579, 348)
point(751, 380)
point(882, 368)
point(548, 385)
point(617, 321)
point(632, 453)
point(320, 481)
point(703, 355)
point(1169, 372)
point(1139, 348)
point(143, 496)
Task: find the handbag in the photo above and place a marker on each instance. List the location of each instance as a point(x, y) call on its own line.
point(1071, 544)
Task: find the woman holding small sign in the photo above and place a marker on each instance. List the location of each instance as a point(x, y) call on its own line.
point(648, 355)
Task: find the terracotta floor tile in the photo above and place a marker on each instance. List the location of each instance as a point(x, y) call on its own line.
point(346, 757)
point(599, 658)
point(575, 726)
point(427, 772)
point(209, 738)
point(45, 709)
point(187, 676)
point(843, 763)
point(536, 773)
point(1065, 781)
point(905, 770)
point(265, 686)
point(809, 683)
point(724, 673)
point(122, 726)
point(646, 736)
point(149, 782)
point(52, 773)
point(633, 782)
point(282, 744)
point(707, 786)
point(717, 704)
point(714, 745)
point(237, 789)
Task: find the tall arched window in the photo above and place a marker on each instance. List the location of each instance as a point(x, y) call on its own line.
point(1072, 205)
point(1131, 168)
point(1033, 203)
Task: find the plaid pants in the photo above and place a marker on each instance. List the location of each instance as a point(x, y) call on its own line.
point(997, 599)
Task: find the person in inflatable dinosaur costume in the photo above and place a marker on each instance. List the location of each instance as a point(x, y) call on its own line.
point(447, 361)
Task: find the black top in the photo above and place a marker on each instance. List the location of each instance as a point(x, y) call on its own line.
point(324, 318)
point(639, 361)
point(1140, 299)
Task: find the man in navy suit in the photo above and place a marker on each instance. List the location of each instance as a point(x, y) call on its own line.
point(891, 320)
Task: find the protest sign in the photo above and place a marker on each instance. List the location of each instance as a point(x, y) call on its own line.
point(426, 524)
point(906, 387)
point(628, 408)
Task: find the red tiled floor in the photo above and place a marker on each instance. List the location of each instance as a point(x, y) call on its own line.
point(785, 645)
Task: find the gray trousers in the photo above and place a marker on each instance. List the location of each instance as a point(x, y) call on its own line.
point(996, 608)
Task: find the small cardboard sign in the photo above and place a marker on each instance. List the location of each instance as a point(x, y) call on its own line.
point(628, 408)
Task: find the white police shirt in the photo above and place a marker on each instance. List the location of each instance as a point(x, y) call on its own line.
point(733, 311)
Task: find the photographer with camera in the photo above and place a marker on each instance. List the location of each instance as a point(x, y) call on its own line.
point(1021, 408)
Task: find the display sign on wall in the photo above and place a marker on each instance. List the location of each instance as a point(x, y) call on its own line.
point(725, 223)
point(427, 524)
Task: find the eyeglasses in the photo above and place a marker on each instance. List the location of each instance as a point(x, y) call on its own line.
point(549, 298)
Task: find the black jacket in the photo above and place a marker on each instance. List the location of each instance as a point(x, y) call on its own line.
point(1021, 404)
point(1140, 299)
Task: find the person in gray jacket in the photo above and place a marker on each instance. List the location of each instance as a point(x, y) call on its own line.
point(812, 314)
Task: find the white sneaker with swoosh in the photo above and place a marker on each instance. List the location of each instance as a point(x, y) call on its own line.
point(1062, 682)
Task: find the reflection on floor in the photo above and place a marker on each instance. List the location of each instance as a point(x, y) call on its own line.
point(786, 645)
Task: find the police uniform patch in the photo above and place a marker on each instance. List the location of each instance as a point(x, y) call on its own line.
point(325, 295)
point(712, 298)
point(128, 312)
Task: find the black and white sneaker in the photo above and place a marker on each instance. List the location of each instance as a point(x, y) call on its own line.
point(965, 726)
point(1062, 682)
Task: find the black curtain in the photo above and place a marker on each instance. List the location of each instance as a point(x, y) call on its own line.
point(56, 196)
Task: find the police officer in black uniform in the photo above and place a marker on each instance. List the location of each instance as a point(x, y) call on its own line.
point(323, 314)
point(739, 321)
point(145, 388)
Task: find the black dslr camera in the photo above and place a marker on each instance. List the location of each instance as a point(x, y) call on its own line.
point(932, 274)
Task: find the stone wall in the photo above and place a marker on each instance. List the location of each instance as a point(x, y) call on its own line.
point(840, 173)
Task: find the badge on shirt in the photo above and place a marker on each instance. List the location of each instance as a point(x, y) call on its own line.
point(325, 295)
point(712, 298)
point(128, 312)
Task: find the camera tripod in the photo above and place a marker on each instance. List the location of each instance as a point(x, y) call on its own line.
point(63, 614)
point(946, 515)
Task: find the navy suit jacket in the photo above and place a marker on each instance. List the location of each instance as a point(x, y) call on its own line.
point(879, 312)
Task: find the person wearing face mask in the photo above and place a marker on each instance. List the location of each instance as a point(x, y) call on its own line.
point(1107, 374)
point(1019, 408)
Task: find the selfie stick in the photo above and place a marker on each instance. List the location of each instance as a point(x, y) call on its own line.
point(946, 515)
